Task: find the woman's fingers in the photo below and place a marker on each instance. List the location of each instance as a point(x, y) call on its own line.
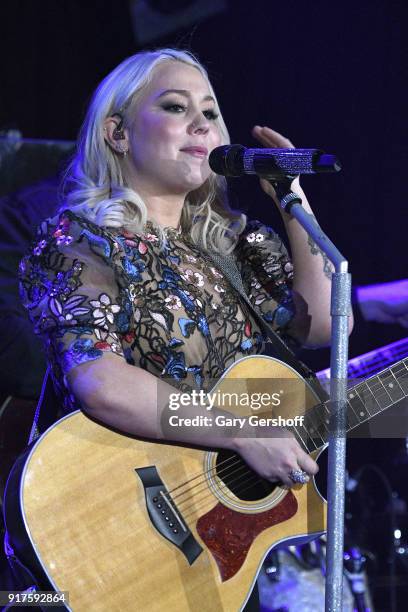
point(307, 464)
point(271, 138)
point(278, 457)
point(259, 134)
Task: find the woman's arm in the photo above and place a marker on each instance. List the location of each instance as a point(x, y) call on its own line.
point(136, 402)
point(311, 325)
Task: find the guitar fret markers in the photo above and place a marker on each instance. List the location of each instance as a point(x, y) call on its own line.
point(364, 401)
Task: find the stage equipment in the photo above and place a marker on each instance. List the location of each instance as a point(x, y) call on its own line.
point(24, 161)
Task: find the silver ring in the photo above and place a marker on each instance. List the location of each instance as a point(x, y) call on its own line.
point(299, 476)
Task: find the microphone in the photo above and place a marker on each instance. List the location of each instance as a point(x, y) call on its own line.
point(236, 160)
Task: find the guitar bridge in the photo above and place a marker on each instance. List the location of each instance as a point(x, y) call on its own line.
point(165, 516)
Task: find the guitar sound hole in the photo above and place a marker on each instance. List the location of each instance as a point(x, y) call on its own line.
point(240, 479)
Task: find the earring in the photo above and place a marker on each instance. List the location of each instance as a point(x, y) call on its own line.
point(121, 148)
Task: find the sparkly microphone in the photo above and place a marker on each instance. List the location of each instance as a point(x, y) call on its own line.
point(236, 160)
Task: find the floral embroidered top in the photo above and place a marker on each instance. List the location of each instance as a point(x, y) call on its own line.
point(89, 290)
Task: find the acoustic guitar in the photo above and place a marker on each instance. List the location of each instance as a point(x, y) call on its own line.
point(128, 524)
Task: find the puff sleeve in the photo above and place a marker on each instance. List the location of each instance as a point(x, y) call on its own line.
point(72, 289)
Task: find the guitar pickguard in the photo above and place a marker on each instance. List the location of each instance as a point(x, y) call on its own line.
point(228, 534)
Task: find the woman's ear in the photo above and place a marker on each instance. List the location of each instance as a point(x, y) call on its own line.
point(115, 134)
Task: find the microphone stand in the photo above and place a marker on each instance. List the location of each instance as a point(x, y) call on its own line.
point(340, 308)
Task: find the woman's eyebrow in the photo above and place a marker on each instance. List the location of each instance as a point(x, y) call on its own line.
point(183, 92)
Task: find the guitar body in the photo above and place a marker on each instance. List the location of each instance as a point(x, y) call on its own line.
point(77, 516)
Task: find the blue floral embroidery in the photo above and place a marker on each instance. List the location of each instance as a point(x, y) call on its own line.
point(79, 351)
point(123, 317)
point(98, 243)
point(170, 279)
point(187, 326)
point(203, 325)
point(78, 330)
point(185, 300)
point(133, 270)
point(283, 316)
point(175, 365)
point(175, 342)
point(246, 345)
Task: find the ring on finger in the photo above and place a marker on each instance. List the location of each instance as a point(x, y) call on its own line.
point(299, 476)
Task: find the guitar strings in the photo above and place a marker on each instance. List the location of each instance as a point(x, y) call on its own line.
point(249, 474)
point(242, 465)
point(186, 482)
point(237, 461)
point(252, 480)
point(236, 457)
point(225, 461)
point(248, 477)
point(209, 504)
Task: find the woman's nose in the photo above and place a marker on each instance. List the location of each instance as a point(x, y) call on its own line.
point(200, 125)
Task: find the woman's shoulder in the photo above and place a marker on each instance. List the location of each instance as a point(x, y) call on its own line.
point(68, 231)
point(67, 226)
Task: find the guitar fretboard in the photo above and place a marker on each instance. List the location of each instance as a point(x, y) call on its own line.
point(364, 400)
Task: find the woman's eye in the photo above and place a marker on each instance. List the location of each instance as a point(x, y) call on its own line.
point(210, 115)
point(174, 108)
point(180, 108)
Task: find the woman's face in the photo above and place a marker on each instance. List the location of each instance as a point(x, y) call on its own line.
point(173, 131)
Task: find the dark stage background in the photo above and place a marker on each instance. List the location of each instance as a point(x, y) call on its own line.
point(325, 74)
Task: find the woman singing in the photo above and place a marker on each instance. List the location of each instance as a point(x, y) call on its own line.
point(121, 284)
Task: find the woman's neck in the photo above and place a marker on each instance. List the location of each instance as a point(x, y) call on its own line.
point(166, 212)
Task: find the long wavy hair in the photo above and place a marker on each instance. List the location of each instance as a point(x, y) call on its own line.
point(94, 186)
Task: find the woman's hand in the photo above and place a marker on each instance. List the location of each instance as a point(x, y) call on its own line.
point(311, 325)
point(275, 457)
point(272, 140)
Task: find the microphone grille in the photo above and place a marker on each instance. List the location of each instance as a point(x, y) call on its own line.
point(227, 160)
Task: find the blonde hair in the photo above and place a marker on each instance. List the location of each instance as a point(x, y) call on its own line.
point(94, 186)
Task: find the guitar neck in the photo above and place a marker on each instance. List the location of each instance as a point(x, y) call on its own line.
point(364, 401)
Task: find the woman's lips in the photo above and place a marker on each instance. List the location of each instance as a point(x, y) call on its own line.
point(196, 151)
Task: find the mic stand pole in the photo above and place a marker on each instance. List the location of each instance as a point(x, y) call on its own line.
point(340, 308)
